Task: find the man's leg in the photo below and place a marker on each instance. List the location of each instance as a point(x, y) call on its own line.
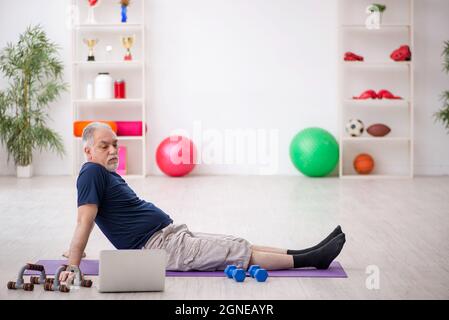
point(268, 249)
point(332, 235)
point(271, 261)
point(319, 258)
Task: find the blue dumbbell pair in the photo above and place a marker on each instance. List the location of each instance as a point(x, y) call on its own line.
point(239, 275)
point(232, 272)
point(256, 272)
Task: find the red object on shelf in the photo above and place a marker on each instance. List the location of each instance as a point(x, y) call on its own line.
point(403, 53)
point(120, 89)
point(350, 56)
point(385, 94)
point(122, 168)
point(129, 128)
point(368, 94)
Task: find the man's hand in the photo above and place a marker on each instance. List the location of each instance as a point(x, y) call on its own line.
point(68, 277)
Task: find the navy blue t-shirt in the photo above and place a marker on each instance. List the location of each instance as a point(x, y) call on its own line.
point(127, 221)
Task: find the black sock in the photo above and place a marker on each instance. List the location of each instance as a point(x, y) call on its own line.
point(322, 257)
point(332, 235)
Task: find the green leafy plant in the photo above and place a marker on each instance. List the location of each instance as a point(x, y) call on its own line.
point(34, 73)
point(443, 114)
point(380, 7)
point(376, 7)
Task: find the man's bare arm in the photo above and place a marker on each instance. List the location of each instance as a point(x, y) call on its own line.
point(85, 224)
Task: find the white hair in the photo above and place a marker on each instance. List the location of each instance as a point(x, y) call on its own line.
point(89, 130)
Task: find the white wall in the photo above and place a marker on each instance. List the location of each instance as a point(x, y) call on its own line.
point(245, 64)
point(431, 139)
point(15, 16)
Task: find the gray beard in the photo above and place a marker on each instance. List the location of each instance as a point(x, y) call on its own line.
point(112, 167)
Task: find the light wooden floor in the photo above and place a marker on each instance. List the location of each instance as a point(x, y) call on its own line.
point(400, 226)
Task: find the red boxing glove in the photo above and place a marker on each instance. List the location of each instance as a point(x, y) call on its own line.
point(403, 53)
point(385, 94)
point(349, 56)
point(368, 94)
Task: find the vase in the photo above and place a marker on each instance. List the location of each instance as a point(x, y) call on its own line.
point(24, 172)
point(124, 14)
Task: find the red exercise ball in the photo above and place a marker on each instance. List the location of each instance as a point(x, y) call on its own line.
point(176, 156)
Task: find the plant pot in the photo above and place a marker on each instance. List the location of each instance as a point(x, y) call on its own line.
point(24, 172)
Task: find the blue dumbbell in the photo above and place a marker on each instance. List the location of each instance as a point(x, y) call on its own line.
point(252, 269)
point(232, 272)
point(261, 275)
point(239, 275)
point(228, 270)
point(256, 272)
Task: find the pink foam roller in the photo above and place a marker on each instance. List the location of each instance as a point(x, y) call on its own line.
point(129, 128)
point(122, 169)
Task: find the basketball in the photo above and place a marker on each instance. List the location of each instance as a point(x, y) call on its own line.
point(363, 163)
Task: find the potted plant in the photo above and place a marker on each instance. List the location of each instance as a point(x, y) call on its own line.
point(34, 74)
point(443, 114)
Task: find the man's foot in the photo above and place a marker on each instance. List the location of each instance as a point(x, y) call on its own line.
point(321, 258)
point(66, 254)
point(332, 235)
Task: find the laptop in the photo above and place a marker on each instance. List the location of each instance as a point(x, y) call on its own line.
point(132, 270)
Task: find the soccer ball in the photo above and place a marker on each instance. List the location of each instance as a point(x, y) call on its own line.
point(355, 127)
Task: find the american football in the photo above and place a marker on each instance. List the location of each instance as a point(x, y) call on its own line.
point(378, 130)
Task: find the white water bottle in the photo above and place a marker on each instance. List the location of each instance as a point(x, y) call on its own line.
point(103, 86)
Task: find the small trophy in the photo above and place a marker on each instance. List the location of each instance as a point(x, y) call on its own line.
point(91, 44)
point(128, 42)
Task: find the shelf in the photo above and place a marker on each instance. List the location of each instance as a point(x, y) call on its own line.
point(374, 176)
point(115, 27)
point(123, 138)
point(377, 139)
point(383, 27)
point(109, 30)
point(370, 103)
point(108, 101)
point(108, 64)
point(394, 153)
point(120, 138)
point(132, 176)
point(385, 64)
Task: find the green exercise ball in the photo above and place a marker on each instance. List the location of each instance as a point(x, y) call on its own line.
point(314, 152)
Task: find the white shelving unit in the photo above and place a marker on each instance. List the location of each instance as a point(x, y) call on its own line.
point(109, 30)
point(393, 154)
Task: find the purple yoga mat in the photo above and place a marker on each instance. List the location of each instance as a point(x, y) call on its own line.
point(90, 268)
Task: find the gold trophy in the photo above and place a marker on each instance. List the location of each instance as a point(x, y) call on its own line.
point(127, 42)
point(91, 44)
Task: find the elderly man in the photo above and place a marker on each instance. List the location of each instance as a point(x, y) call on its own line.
point(129, 222)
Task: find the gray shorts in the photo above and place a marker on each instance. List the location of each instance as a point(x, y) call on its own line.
point(188, 250)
